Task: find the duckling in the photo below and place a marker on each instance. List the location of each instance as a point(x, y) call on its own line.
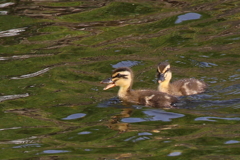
point(181, 87)
point(123, 77)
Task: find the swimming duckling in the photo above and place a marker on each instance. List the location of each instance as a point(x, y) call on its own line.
point(123, 77)
point(181, 87)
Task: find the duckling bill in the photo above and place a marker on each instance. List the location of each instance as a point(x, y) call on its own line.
point(183, 87)
point(123, 77)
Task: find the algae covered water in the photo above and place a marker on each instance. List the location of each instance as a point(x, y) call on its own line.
point(53, 54)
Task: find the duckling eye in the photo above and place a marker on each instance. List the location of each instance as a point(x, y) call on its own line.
point(167, 70)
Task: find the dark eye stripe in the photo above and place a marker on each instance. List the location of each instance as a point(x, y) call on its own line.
point(167, 70)
point(119, 76)
point(164, 72)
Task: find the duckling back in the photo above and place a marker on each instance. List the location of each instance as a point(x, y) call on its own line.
point(186, 87)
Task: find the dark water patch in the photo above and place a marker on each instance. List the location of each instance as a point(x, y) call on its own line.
point(136, 139)
point(126, 64)
point(139, 137)
point(75, 116)
point(16, 22)
point(112, 102)
point(145, 134)
point(110, 11)
point(63, 34)
point(234, 77)
point(155, 26)
point(230, 90)
point(210, 104)
point(154, 115)
point(177, 40)
point(203, 64)
point(206, 141)
point(178, 132)
point(208, 23)
point(187, 17)
point(83, 135)
point(62, 4)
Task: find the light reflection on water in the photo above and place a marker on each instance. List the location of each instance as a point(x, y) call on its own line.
point(187, 17)
point(84, 132)
point(232, 142)
point(177, 153)
point(213, 119)
point(126, 64)
point(11, 32)
point(10, 97)
point(154, 115)
point(4, 5)
point(27, 145)
point(55, 151)
point(28, 140)
point(74, 116)
point(32, 74)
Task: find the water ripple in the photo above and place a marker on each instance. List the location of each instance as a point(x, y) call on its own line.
point(9, 97)
point(21, 141)
point(11, 32)
point(24, 57)
point(32, 74)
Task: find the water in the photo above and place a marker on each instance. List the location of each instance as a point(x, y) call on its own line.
point(54, 54)
point(187, 17)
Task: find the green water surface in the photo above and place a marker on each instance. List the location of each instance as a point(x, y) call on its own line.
point(53, 54)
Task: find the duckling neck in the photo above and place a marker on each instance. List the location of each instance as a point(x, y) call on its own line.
point(164, 86)
point(123, 91)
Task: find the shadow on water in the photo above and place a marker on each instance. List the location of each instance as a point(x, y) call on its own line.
point(53, 55)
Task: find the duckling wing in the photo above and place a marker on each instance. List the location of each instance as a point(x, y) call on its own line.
point(156, 99)
point(188, 86)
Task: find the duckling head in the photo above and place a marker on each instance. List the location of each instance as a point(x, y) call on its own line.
point(121, 77)
point(164, 73)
